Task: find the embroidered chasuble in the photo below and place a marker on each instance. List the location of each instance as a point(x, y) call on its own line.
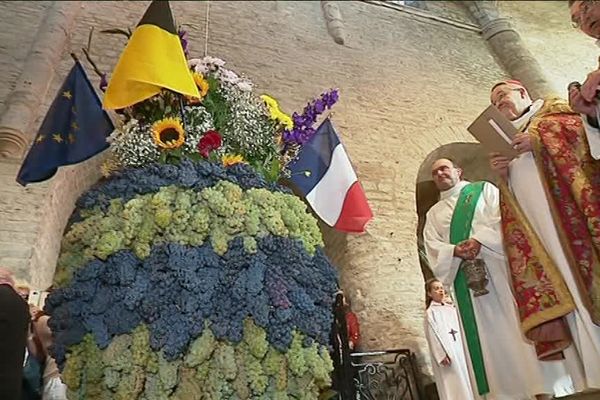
point(551, 221)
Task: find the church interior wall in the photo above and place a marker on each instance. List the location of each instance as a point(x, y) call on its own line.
point(408, 86)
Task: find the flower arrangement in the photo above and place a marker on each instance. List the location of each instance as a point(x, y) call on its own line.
point(167, 128)
point(188, 271)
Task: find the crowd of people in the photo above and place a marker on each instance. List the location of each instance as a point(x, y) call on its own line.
point(522, 259)
point(27, 371)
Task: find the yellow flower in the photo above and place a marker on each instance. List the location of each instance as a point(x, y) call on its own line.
point(108, 167)
point(229, 160)
point(275, 113)
point(285, 120)
point(269, 101)
point(202, 88)
point(168, 133)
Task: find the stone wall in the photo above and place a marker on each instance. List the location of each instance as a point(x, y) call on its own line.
point(565, 54)
point(408, 84)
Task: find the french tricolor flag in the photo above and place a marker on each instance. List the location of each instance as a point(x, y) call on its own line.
point(323, 173)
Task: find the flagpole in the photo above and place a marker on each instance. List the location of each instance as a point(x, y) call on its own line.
point(206, 31)
point(182, 112)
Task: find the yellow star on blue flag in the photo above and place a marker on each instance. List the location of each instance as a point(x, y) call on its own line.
point(74, 129)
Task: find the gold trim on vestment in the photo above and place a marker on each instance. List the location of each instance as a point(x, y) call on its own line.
point(558, 106)
point(566, 303)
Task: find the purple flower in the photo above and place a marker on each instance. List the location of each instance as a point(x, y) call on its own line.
point(103, 83)
point(320, 106)
point(183, 38)
point(303, 129)
point(298, 119)
point(333, 97)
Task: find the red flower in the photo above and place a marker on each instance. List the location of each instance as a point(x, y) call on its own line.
point(209, 142)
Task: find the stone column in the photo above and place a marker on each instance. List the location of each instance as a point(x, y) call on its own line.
point(22, 104)
point(508, 47)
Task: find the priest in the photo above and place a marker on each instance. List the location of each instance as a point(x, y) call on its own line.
point(464, 226)
point(551, 224)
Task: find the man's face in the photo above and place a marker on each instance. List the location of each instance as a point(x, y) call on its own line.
point(510, 101)
point(585, 15)
point(444, 174)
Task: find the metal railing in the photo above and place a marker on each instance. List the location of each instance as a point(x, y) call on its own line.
point(386, 375)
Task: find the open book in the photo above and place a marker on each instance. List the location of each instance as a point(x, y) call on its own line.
point(495, 132)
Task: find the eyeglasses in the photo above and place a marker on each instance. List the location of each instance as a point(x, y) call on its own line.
point(584, 9)
point(502, 94)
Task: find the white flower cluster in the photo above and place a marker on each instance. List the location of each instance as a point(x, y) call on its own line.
point(197, 122)
point(249, 129)
point(215, 67)
point(133, 144)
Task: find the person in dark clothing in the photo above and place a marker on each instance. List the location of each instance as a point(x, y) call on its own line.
point(343, 374)
point(14, 321)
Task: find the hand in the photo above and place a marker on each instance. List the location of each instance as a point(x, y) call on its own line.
point(446, 362)
point(351, 345)
point(590, 86)
point(499, 164)
point(522, 143)
point(468, 249)
point(581, 105)
point(35, 312)
point(472, 248)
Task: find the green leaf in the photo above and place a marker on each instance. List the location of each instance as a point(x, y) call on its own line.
point(275, 169)
point(216, 104)
point(163, 157)
point(194, 156)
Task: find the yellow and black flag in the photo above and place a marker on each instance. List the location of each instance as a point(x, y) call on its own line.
point(153, 59)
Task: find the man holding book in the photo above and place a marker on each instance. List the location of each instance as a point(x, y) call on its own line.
point(550, 211)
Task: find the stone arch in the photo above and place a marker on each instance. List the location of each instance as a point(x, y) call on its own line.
point(473, 159)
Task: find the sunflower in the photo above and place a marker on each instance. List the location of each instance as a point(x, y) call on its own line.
point(202, 88)
point(229, 160)
point(168, 133)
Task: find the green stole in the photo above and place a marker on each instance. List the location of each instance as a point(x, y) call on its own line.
point(460, 230)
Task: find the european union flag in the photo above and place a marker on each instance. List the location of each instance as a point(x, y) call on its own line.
point(74, 129)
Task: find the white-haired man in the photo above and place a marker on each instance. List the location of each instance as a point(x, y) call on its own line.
point(551, 225)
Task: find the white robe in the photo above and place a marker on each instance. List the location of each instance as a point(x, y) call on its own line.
point(526, 185)
point(445, 340)
point(512, 368)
